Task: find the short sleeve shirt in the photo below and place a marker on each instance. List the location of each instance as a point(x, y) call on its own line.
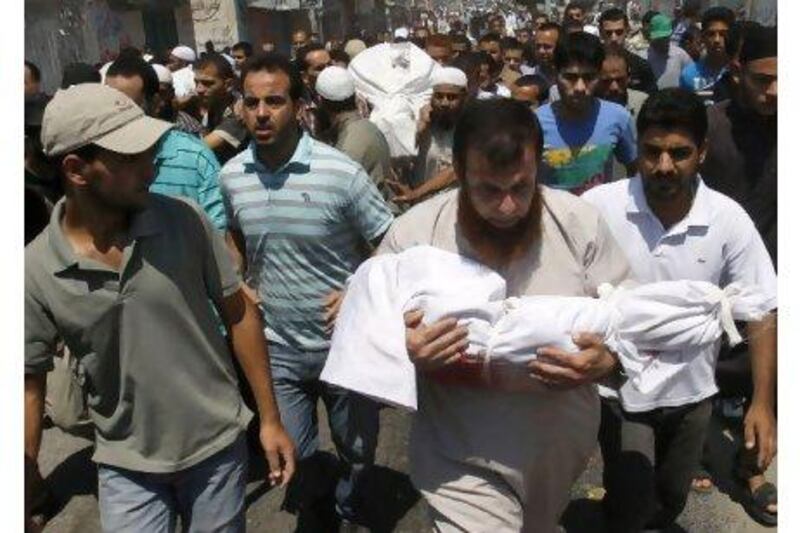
point(186, 167)
point(667, 68)
point(716, 242)
point(304, 225)
point(579, 155)
point(161, 387)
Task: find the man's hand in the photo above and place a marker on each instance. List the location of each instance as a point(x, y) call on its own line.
point(435, 346)
point(332, 304)
point(424, 118)
point(279, 450)
point(564, 370)
point(403, 194)
point(760, 430)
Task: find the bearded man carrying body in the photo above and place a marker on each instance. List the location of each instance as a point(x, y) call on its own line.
point(502, 459)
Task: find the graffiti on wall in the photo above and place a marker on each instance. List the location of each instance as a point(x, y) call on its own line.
point(215, 21)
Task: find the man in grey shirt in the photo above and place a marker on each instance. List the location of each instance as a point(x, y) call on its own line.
point(349, 132)
point(666, 58)
point(127, 278)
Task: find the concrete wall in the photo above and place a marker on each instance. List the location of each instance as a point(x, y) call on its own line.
point(183, 20)
point(59, 32)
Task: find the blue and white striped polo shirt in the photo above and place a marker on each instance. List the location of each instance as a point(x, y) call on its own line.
point(304, 227)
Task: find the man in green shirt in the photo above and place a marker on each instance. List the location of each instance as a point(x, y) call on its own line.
point(126, 277)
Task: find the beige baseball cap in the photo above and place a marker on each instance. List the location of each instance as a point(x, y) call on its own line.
point(91, 113)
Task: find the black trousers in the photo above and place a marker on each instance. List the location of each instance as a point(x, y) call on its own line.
point(649, 459)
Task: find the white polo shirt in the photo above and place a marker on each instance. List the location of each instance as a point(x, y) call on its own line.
point(716, 242)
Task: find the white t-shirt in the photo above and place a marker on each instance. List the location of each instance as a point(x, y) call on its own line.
point(716, 242)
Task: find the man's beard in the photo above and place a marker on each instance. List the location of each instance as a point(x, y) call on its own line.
point(443, 119)
point(498, 247)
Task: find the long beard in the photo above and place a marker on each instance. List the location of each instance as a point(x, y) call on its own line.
point(443, 119)
point(498, 247)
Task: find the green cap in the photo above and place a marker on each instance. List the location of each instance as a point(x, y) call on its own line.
point(660, 27)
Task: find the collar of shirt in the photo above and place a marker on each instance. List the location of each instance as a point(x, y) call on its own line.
point(698, 216)
point(301, 158)
point(143, 224)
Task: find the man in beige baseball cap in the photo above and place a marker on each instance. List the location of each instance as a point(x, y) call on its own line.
point(102, 142)
point(125, 278)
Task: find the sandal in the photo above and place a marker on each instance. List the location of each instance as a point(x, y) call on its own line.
point(699, 477)
point(758, 502)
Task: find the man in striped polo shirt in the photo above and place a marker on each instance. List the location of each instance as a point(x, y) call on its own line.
point(302, 216)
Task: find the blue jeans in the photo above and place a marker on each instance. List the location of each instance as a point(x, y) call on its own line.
point(353, 421)
point(208, 496)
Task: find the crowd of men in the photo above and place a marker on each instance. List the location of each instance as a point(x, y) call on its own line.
point(192, 220)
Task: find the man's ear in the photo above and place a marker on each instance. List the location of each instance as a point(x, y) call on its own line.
point(74, 170)
point(702, 151)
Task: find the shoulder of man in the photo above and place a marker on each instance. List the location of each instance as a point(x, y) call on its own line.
point(577, 216)
point(418, 224)
point(176, 142)
point(236, 166)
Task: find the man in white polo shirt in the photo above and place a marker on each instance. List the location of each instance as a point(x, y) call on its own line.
point(674, 227)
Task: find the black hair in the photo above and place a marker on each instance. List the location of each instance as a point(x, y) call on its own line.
point(718, 14)
point(130, 65)
point(491, 37)
point(618, 55)
point(572, 23)
point(613, 14)
point(129, 51)
point(340, 56)
point(499, 128)
point(36, 74)
point(736, 36)
point(759, 42)
point(551, 26)
point(674, 108)
point(272, 62)
point(218, 61)
point(303, 52)
point(348, 104)
point(77, 73)
point(209, 46)
point(244, 46)
point(461, 39)
point(535, 80)
point(469, 63)
point(510, 43)
point(691, 32)
point(574, 5)
point(580, 48)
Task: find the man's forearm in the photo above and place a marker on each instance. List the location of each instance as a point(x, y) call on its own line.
point(763, 338)
point(250, 349)
point(437, 183)
point(35, 387)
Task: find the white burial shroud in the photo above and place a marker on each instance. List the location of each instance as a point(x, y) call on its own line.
point(368, 353)
point(395, 78)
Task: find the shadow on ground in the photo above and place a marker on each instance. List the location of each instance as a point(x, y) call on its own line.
point(586, 516)
point(75, 476)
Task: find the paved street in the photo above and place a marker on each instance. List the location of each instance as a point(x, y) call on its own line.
point(65, 462)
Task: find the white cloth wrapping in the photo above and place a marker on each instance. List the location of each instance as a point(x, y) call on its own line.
point(669, 316)
point(368, 353)
point(395, 78)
